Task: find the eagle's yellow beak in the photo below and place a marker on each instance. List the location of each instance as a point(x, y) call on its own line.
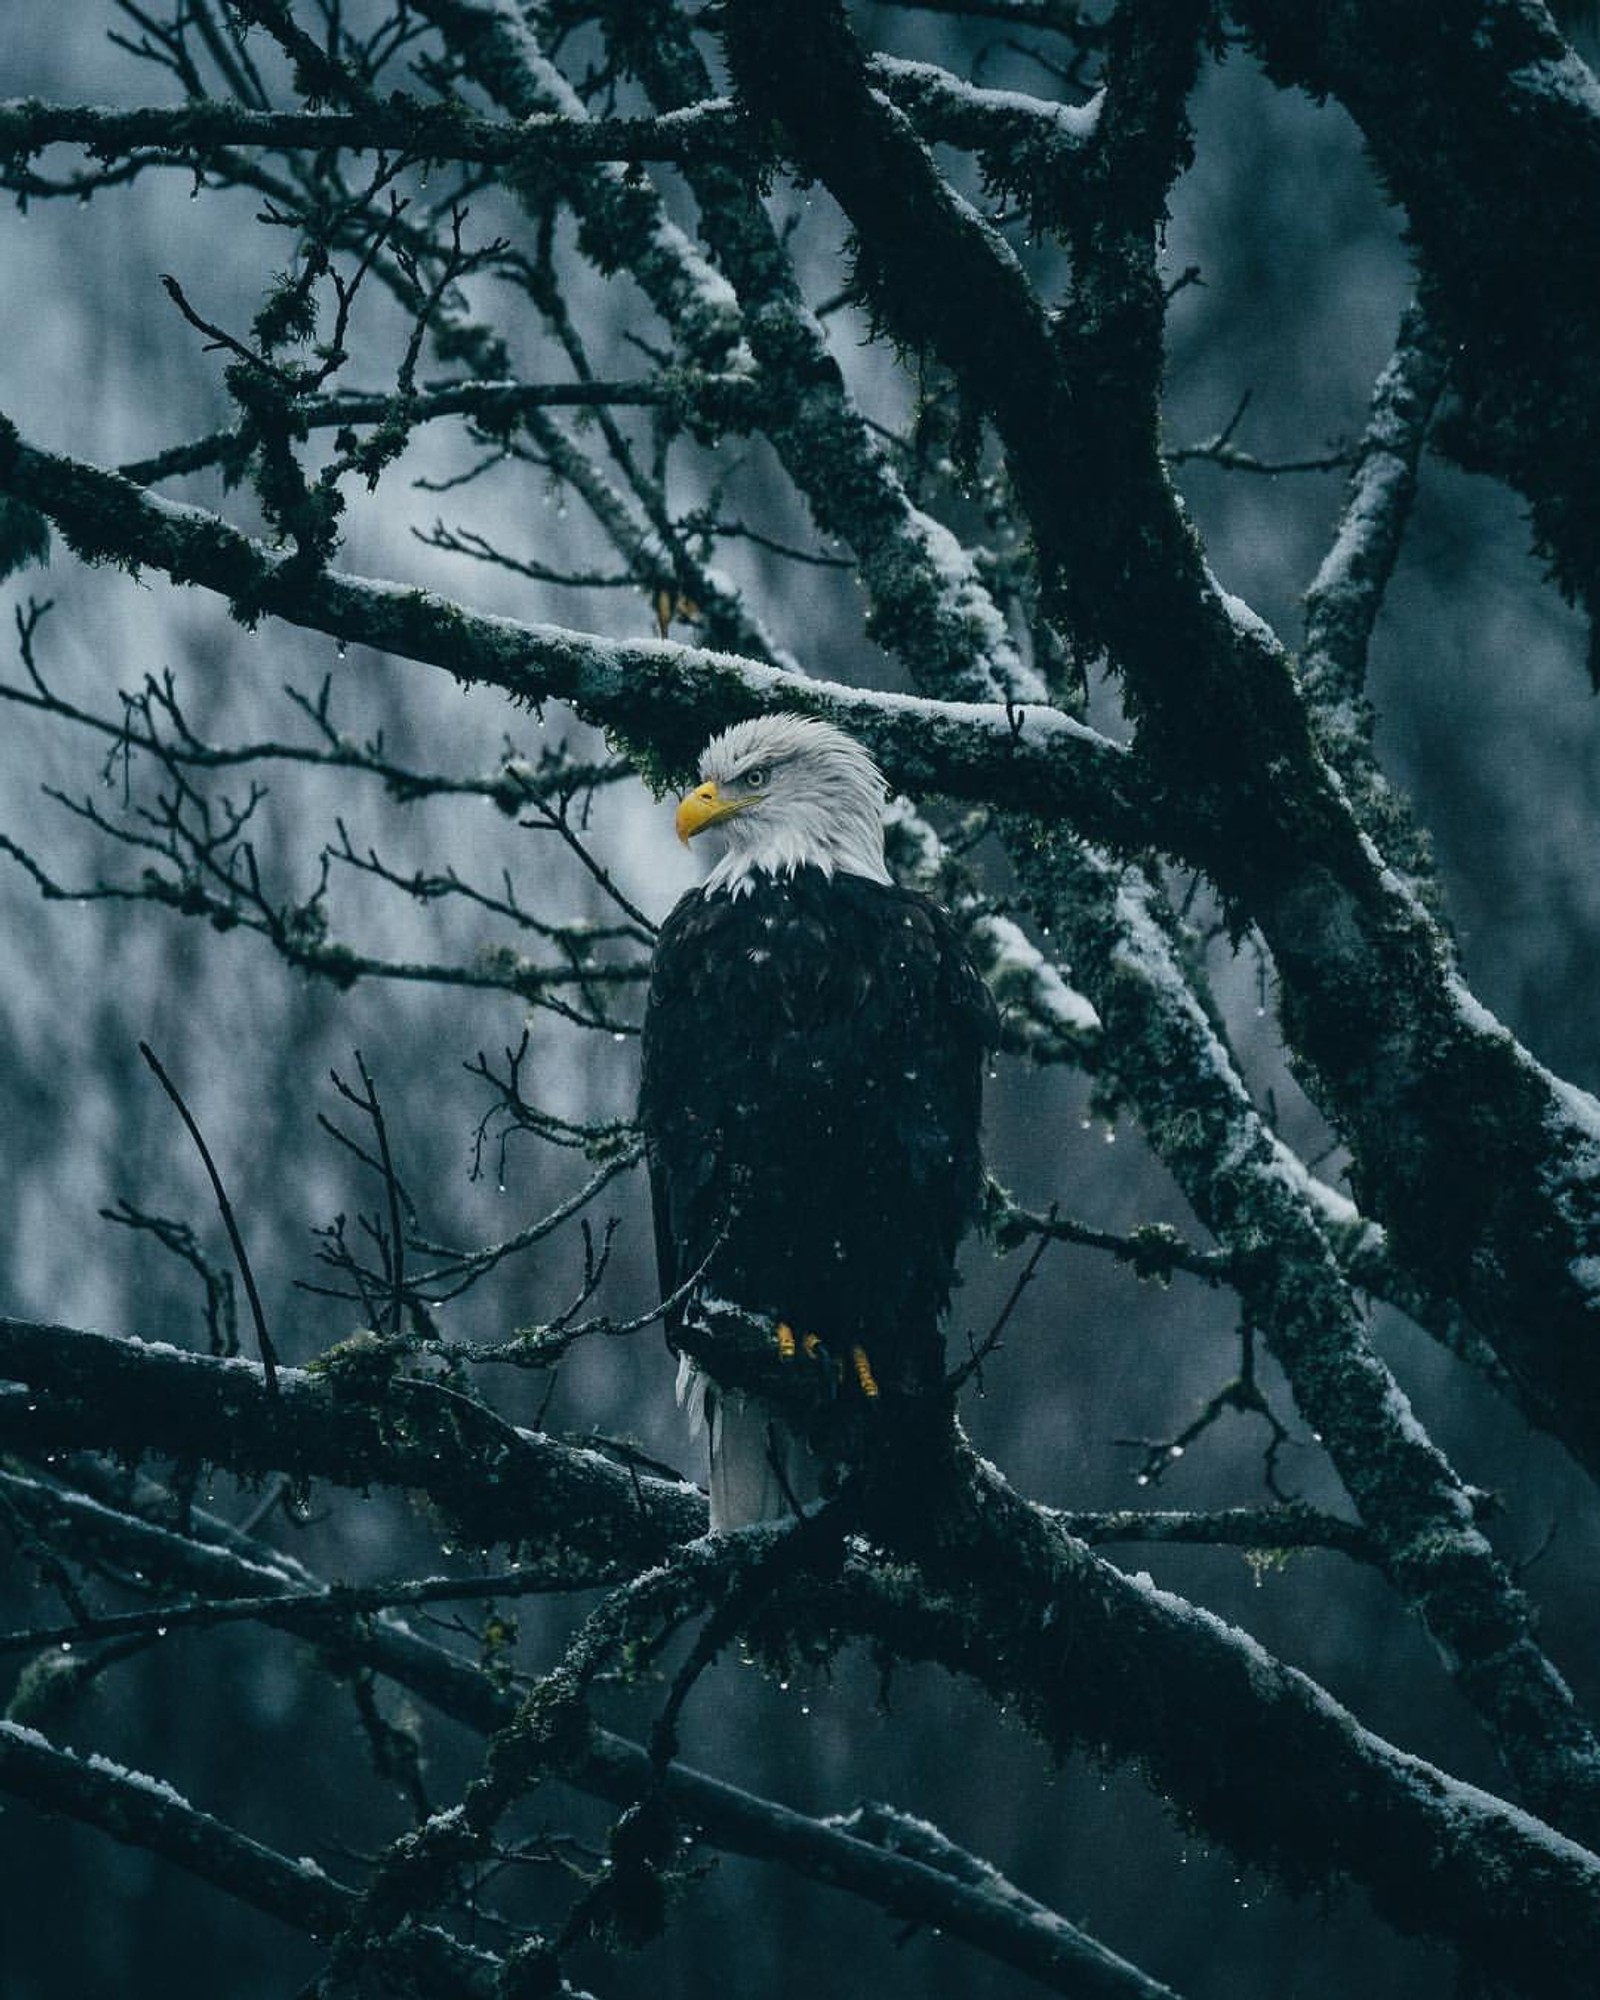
point(703, 807)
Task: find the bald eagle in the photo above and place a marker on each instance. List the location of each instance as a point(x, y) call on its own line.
point(814, 1043)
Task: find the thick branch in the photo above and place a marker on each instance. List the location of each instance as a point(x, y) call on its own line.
point(665, 697)
point(1484, 1168)
point(354, 1424)
point(1090, 1656)
point(410, 126)
point(993, 1917)
point(1347, 592)
point(1486, 127)
point(1256, 1530)
point(144, 1812)
point(1084, 1652)
point(1162, 1053)
point(948, 108)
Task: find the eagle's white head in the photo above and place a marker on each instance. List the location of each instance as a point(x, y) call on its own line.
point(787, 792)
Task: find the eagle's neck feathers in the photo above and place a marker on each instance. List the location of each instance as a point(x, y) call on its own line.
point(843, 843)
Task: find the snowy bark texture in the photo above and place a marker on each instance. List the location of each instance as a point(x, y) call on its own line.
point(977, 559)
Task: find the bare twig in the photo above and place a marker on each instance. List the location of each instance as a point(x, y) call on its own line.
point(269, 1358)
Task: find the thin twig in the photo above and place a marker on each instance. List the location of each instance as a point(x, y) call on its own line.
point(269, 1358)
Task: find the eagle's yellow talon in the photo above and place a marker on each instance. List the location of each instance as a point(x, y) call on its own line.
point(864, 1374)
point(785, 1339)
point(811, 1346)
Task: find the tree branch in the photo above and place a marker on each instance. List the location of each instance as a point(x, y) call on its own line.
point(666, 698)
point(1258, 1200)
point(1347, 592)
point(1081, 1650)
point(145, 1812)
point(353, 1421)
point(412, 127)
point(1484, 1168)
point(928, 601)
point(1496, 160)
point(984, 1910)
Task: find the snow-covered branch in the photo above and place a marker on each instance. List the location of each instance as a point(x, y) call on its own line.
point(1247, 797)
point(146, 1812)
point(1347, 592)
point(962, 1896)
point(1081, 1650)
point(355, 1420)
point(929, 603)
point(1511, 271)
point(411, 127)
point(724, 323)
point(1256, 1198)
point(1077, 1647)
point(664, 697)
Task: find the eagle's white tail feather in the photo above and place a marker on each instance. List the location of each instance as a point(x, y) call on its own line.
point(759, 1469)
point(693, 1383)
point(746, 1439)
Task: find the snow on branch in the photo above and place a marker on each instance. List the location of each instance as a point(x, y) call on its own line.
point(869, 1856)
point(958, 1894)
point(963, 113)
point(1027, 145)
point(999, 1593)
point(1246, 795)
point(411, 127)
point(1347, 592)
point(1089, 1656)
point(146, 1812)
point(1498, 204)
point(352, 1421)
point(1252, 1193)
point(624, 221)
point(929, 602)
point(1343, 601)
point(664, 697)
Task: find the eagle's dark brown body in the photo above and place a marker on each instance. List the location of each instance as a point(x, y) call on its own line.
point(813, 1061)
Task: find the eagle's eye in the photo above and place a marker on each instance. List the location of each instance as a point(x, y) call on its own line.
point(756, 780)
